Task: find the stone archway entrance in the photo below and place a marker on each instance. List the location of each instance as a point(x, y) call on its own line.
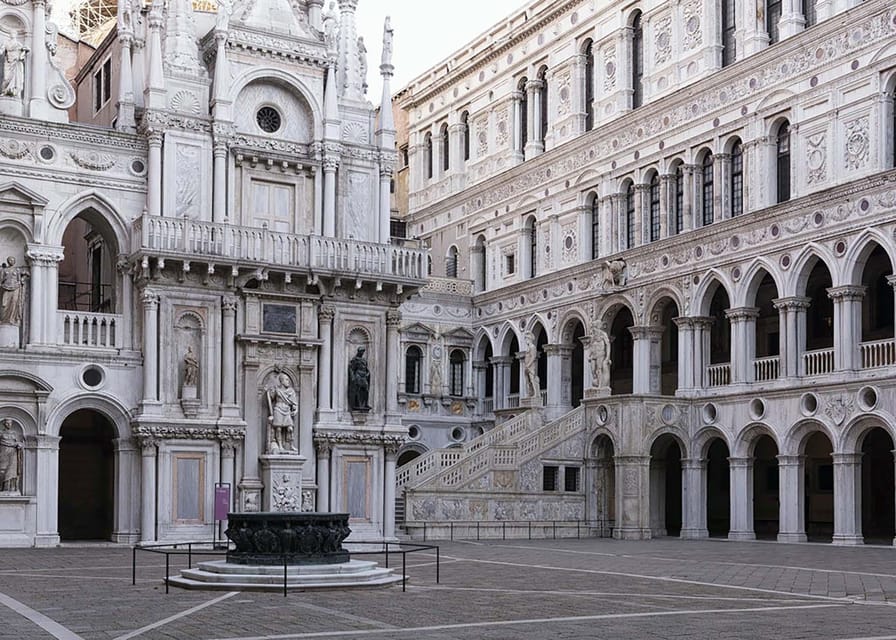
point(665, 487)
point(718, 489)
point(86, 477)
point(878, 487)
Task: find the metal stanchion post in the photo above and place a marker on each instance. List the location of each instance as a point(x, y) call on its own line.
point(134, 566)
point(437, 565)
point(167, 556)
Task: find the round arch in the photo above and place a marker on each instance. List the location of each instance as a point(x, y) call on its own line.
point(854, 431)
point(261, 74)
point(702, 440)
point(744, 442)
point(106, 405)
point(794, 441)
point(677, 434)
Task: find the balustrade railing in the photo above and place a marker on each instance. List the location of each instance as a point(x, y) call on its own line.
point(82, 329)
point(486, 406)
point(544, 397)
point(818, 361)
point(766, 368)
point(513, 401)
point(880, 353)
point(226, 241)
point(718, 374)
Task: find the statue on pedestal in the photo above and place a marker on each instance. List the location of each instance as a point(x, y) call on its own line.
point(10, 459)
point(530, 367)
point(191, 368)
point(11, 293)
point(600, 357)
point(283, 407)
point(358, 382)
point(388, 35)
point(362, 63)
point(13, 68)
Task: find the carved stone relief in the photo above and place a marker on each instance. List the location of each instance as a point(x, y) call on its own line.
point(816, 157)
point(857, 143)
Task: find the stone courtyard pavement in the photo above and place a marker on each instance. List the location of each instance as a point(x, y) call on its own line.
point(559, 589)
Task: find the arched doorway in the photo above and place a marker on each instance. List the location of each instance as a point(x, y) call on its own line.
point(766, 488)
point(86, 477)
point(718, 489)
point(603, 501)
point(622, 359)
point(819, 488)
point(665, 487)
point(665, 316)
point(878, 497)
point(87, 278)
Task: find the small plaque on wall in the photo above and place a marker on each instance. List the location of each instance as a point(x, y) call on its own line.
point(279, 318)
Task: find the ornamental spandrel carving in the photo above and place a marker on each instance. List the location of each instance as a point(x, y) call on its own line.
point(502, 128)
point(839, 408)
point(93, 160)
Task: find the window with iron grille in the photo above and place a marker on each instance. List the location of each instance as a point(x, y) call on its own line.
point(550, 475)
point(679, 198)
point(456, 362)
point(630, 216)
point(413, 358)
point(595, 228)
point(571, 477)
point(655, 208)
point(446, 148)
point(729, 27)
point(737, 179)
point(465, 134)
point(637, 62)
point(783, 162)
point(707, 189)
point(427, 152)
point(589, 86)
point(543, 104)
point(533, 249)
point(524, 114)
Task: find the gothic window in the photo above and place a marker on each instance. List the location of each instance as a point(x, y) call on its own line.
point(465, 134)
point(630, 216)
point(524, 114)
point(772, 16)
point(809, 13)
point(637, 61)
point(595, 227)
point(729, 27)
point(427, 154)
point(456, 362)
point(413, 359)
point(451, 262)
point(588, 92)
point(446, 147)
point(543, 102)
point(783, 162)
point(532, 232)
point(679, 198)
point(706, 175)
point(737, 179)
point(655, 208)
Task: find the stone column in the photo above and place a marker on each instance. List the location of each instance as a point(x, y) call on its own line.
point(689, 197)
point(792, 327)
point(393, 365)
point(43, 294)
point(325, 360)
point(501, 367)
point(608, 225)
point(741, 470)
point(47, 491)
point(518, 124)
point(792, 20)
point(148, 480)
point(792, 520)
point(154, 174)
point(591, 488)
point(534, 144)
point(702, 326)
point(219, 188)
point(125, 120)
point(667, 205)
point(632, 498)
point(721, 192)
point(331, 163)
point(479, 373)
point(389, 493)
point(847, 499)
point(150, 346)
point(305, 430)
point(847, 326)
point(385, 216)
point(685, 352)
point(743, 342)
point(642, 214)
point(228, 472)
point(646, 348)
point(693, 505)
point(755, 37)
point(39, 61)
point(323, 475)
point(228, 352)
point(558, 357)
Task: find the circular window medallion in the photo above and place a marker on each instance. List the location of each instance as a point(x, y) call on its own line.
point(138, 167)
point(268, 119)
point(93, 376)
point(808, 404)
point(47, 153)
point(414, 432)
point(840, 248)
point(710, 413)
point(457, 434)
point(785, 262)
point(867, 398)
point(757, 408)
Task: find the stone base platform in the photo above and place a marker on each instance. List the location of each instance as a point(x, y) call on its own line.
point(219, 575)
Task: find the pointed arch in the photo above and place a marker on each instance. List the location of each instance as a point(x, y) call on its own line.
point(109, 216)
point(858, 253)
point(481, 342)
point(745, 295)
point(709, 283)
point(655, 303)
point(810, 255)
point(564, 326)
point(506, 334)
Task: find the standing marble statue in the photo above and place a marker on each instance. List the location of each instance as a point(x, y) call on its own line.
point(362, 63)
point(222, 20)
point(600, 357)
point(10, 459)
point(330, 27)
point(13, 68)
point(191, 368)
point(435, 377)
point(283, 407)
point(530, 366)
point(358, 382)
point(12, 292)
point(388, 35)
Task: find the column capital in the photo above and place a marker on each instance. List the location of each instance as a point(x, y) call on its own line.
point(44, 255)
point(847, 292)
point(721, 156)
point(148, 445)
point(790, 461)
point(393, 318)
point(847, 458)
point(702, 322)
point(742, 314)
point(323, 446)
point(326, 313)
point(534, 85)
point(502, 360)
point(646, 332)
point(331, 163)
point(228, 305)
point(792, 303)
point(557, 349)
point(740, 463)
point(694, 464)
point(150, 299)
point(684, 322)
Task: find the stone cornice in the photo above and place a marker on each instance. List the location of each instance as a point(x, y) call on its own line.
point(75, 132)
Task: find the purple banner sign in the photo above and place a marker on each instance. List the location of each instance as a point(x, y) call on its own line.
point(222, 500)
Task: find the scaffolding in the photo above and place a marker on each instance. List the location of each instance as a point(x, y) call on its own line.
point(93, 19)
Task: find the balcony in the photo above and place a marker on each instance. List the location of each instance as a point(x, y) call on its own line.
point(225, 243)
point(880, 353)
point(92, 330)
point(718, 375)
point(765, 369)
point(818, 362)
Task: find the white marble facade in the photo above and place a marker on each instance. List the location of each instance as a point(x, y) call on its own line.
point(222, 232)
point(713, 186)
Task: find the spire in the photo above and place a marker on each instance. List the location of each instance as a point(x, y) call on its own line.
point(155, 85)
point(352, 58)
point(386, 132)
point(125, 121)
point(181, 43)
point(331, 106)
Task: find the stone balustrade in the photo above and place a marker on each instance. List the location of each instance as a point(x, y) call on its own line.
point(879, 353)
point(818, 361)
point(94, 330)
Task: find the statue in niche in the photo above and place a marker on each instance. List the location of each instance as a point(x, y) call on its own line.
point(614, 274)
point(600, 357)
point(530, 366)
point(12, 293)
point(358, 382)
point(13, 68)
point(362, 63)
point(283, 407)
point(10, 458)
point(330, 26)
point(388, 34)
point(435, 377)
point(191, 368)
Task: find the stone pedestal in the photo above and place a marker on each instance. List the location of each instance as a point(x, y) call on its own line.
point(597, 392)
point(188, 392)
point(282, 477)
point(530, 401)
point(9, 335)
point(10, 106)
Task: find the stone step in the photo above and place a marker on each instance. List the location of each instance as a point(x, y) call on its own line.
point(237, 585)
point(341, 568)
